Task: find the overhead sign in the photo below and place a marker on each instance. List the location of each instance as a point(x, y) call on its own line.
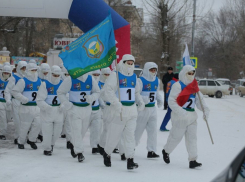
point(60, 43)
point(194, 61)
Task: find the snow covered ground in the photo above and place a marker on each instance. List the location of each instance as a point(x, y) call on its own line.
point(227, 123)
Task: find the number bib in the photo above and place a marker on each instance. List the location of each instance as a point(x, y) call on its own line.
point(78, 97)
point(127, 94)
point(127, 89)
point(31, 95)
point(3, 85)
point(79, 90)
point(190, 104)
point(30, 90)
point(149, 90)
point(52, 98)
point(1, 94)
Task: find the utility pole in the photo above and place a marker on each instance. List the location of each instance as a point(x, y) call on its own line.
point(193, 28)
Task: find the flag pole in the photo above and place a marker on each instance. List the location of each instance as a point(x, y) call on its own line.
point(205, 119)
point(118, 89)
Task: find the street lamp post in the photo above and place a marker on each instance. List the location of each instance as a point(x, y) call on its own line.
point(193, 28)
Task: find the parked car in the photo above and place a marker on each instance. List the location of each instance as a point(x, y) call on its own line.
point(239, 82)
point(137, 71)
point(226, 81)
point(235, 172)
point(213, 88)
point(241, 89)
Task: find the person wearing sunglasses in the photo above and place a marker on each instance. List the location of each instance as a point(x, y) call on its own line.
point(182, 101)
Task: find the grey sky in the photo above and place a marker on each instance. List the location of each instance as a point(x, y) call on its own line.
point(215, 4)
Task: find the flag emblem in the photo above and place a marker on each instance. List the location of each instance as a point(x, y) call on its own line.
point(77, 86)
point(94, 47)
point(51, 90)
point(2, 85)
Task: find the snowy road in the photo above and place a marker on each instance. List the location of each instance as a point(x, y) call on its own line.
point(227, 123)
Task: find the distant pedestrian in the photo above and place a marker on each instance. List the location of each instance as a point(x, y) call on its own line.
point(165, 79)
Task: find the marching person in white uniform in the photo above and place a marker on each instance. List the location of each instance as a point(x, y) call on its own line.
point(184, 116)
point(26, 92)
point(105, 73)
point(20, 73)
point(94, 124)
point(129, 90)
point(83, 91)
point(4, 108)
point(147, 119)
point(51, 112)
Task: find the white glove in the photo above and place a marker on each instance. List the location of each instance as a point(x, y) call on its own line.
point(62, 108)
point(206, 115)
point(159, 104)
point(146, 99)
point(117, 106)
point(25, 100)
point(89, 99)
point(141, 106)
point(9, 106)
point(68, 105)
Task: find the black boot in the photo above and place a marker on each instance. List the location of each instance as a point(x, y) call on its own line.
point(52, 148)
point(2, 137)
point(21, 146)
point(80, 157)
point(131, 165)
point(47, 153)
point(32, 144)
point(95, 151)
point(193, 164)
point(123, 158)
point(165, 156)
point(68, 145)
point(107, 159)
point(101, 150)
point(16, 141)
point(73, 154)
point(63, 136)
point(40, 137)
point(115, 151)
point(152, 155)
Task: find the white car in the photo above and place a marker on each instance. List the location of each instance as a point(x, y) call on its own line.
point(137, 71)
point(241, 89)
point(213, 88)
point(239, 82)
point(226, 81)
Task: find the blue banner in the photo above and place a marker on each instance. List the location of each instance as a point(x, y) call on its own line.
point(92, 51)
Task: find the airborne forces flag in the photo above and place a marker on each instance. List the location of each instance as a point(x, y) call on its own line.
point(92, 51)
